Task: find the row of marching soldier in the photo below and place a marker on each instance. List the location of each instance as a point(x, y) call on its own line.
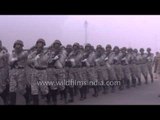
point(21, 71)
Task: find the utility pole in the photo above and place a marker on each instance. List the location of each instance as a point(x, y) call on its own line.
point(86, 32)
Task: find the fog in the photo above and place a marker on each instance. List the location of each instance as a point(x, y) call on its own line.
point(123, 30)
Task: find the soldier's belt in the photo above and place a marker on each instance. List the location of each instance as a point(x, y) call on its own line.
point(18, 68)
point(40, 68)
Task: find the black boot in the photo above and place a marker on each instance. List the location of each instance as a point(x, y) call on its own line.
point(5, 95)
point(35, 100)
point(121, 87)
point(71, 92)
point(128, 83)
point(12, 98)
point(146, 80)
point(85, 92)
point(64, 93)
point(133, 82)
point(27, 95)
point(113, 89)
point(81, 93)
point(95, 91)
point(152, 78)
point(54, 96)
point(139, 81)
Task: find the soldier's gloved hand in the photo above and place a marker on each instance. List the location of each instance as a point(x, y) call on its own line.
point(37, 57)
point(84, 60)
point(14, 59)
point(56, 57)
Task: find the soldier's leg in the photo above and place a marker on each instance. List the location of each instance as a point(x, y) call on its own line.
point(54, 95)
point(28, 95)
point(81, 93)
point(35, 88)
point(63, 88)
point(5, 95)
point(12, 88)
point(150, 72)
point(71, 93)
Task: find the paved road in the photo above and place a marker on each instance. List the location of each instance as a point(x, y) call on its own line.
point(141, 95)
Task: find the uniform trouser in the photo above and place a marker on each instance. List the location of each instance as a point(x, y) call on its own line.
point(38, 84)
point(83, 86)
point(92, 77)
point(150, 70)
point(119, 74)
point(4, 87)
point(133, 71)
point(111, 75)
point(57, 76)
point(17, 83)
point(126, 75)
point(27, 95)
point(102, 74)
point(144, 71)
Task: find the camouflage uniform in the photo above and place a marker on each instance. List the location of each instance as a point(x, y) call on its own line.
point(125, 69)
point(118, 69)
point(39, 73)
point(101, 69)
point(150, 58)
point(4, 74)
point(56, 71)
point(75, 70)
point(17, 72)
point(110, 67)
point(89, 61)
point(142, 64)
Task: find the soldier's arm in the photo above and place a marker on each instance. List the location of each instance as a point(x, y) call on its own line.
point(3, 54)
point(23, 55)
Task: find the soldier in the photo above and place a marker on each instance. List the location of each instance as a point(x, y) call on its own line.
point(136, 66)
point(125, 67)
point(150, 58)
point(143, 64)
point(17, 73)
point(109, 64)
point(37, 60)
point(156, 63)
point(29, 72)
point(89, 61)
point(56, 71)
point(4, 74)
point(101, 69)
point(117, 66)
point(132, 66)
point(75, 74)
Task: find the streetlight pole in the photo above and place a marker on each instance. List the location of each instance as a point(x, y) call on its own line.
point(85, 26)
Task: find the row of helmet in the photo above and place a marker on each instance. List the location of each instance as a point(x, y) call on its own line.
point(20, 42)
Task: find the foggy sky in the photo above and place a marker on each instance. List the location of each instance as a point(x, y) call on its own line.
point(122, 30)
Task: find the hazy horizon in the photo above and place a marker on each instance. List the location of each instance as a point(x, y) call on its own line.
point(134, 31)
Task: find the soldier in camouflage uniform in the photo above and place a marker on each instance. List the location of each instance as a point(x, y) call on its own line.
point(156, 64)
point(17, 73)
point(125, 67)
point(38, 60)
point(117, 66)
point(150, 59)
point(109, 64)
point(137, 70)
point(132, 66)
point(89, 61)
point(4, 74)
point(29, 72)
point(74, 72)
point(142, 58)
point(56, 71)
point(101, 69)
